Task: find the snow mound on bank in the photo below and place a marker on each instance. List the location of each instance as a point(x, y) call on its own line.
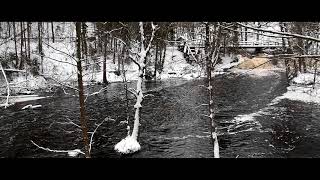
point(228, 62)
point(304, 78)
point(33, 82)
point(258, 73)
point(175, 65)
point(302, 90)
point(127, 145)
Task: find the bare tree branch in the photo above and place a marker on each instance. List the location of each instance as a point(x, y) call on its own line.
point(154, 28)
point(101, 90)
point(60, 51)
point(91, 139)
point(59, 82)
point(281, 33)
point(70, 152)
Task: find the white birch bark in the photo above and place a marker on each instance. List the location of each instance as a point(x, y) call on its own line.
point(130, 144)
point(8, 87)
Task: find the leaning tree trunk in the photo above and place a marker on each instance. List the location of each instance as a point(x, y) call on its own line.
point(130, 143)
point(81, 96)
point(142, 65)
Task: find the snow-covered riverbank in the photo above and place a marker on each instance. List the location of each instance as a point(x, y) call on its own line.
point(302, 89)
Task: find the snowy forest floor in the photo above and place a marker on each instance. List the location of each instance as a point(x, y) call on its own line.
point(59, 69)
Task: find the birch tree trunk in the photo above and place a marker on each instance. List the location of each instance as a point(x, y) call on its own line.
point(130, 143)
point(8, 86)
point(142, 64)
point(211, 52)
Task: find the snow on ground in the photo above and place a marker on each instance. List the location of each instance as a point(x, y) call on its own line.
point(65, 70)
point(175, 66)
point(228, 62)
point(257, 73)
point(60, 64)
point(301, 89)
point(32, 82)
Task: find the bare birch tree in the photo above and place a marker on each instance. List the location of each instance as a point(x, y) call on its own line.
point(130, 143)
point(212, 51)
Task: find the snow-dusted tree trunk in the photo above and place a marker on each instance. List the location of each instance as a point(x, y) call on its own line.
point(130, 143)
point(139, 96)
point(8, 87)
point(212, 54)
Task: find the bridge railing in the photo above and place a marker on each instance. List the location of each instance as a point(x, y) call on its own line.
point(258, 44)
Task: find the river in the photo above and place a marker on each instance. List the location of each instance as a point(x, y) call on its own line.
point(172, 121)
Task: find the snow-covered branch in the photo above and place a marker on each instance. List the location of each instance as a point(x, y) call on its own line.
point(292, 56)
point(132, 91)
point(252, 32)
point(147, 95)
point(91, 138)
point(95, 93)
point(71, 153)
point(57, 60)
point(281, 33)
point(110, 32)
point(154, 28)
point(141, 36)
point(60, 82)
point(70, 122)
point(201, 106)
point(134, 61)
point(60, 51)
point(12, 37)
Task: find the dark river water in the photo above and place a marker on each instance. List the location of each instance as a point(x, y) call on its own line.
point(172, 121)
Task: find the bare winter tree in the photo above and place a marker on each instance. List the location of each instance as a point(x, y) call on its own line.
point(81, 96)
point(212, 50)
point(130, 143)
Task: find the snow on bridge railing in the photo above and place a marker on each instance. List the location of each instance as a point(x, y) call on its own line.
point(258, 44)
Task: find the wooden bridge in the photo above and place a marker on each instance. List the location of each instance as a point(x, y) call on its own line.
point(193, 47)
